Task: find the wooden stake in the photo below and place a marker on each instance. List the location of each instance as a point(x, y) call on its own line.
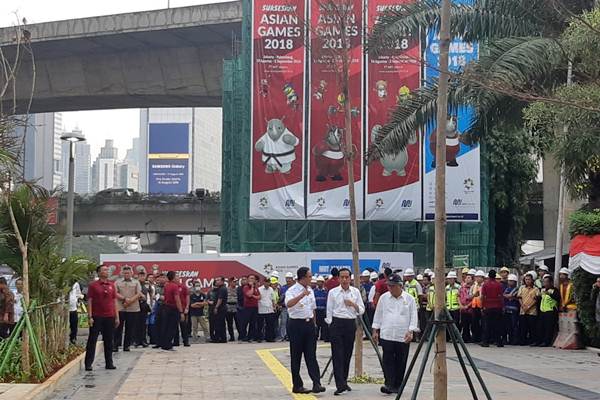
point(440, 372)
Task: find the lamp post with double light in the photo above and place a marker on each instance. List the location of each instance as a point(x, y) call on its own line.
point(71, 138)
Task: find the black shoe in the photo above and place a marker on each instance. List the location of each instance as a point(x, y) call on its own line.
point(348, 388)
point(88, 368)
point(500, 345)
point(144, 345)
point(484, 345)
point(73, 341)
point(386, 390)
point(300, 390)
point(125, 348)
point(186, 345)
point(231, 339)
point(156, 347)
point(115, 350)
point(110, 367)
point(318, 389)
point(339, 391)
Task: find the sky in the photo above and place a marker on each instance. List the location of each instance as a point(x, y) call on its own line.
point(120, 125)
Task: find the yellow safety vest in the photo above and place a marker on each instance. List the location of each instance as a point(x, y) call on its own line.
point(430, 298)
point(548, 303)
point(452, 295)
point(411, 288)
point(566, 296)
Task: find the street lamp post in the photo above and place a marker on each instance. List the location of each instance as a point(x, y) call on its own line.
point(71, 138)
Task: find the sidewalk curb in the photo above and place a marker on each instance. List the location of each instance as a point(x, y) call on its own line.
point(46, 389)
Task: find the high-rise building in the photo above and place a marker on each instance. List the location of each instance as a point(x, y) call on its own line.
point(109, 150)
point(42, 151)
point(204, 146)
point(128, 176)
point(133, 154)
point(83, 161)
point(104, 169)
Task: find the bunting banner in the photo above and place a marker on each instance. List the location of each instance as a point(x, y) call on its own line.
point(393, 189)
point(328, 174)
point(278, 58)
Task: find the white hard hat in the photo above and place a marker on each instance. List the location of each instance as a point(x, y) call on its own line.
point(289, 275)
point(543, 268)
point(564, 271)
point(472, 272)
point(374, 275)
point(313, 280)
point(451, 275)
point(427, 271)
point(432, 275)
point(419, 277)
point(365, 273)
point(275, 274)
point(409, 272)
point(533, 274)
point(480, 273)
point(320, 279)
point(512, 277)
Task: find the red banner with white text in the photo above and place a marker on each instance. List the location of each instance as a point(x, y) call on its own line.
point(278, 58)
point(393, 190)
point(328, 174)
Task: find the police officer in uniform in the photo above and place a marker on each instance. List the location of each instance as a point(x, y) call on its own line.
point(548, 319)
point(300, 303)
point(452, 294)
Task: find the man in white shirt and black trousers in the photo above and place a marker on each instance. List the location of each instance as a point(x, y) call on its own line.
point(394, 323)
point(301, 304)
point(344, 305)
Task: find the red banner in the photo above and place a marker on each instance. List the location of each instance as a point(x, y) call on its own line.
point(278, 57)
point(393, 182)
point(328, 176)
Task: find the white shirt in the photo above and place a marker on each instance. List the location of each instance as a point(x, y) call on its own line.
point(265, 304)
point(305, 308)
point(278, 147)
point(74, 295)
point(395, 316)
point(338, 309)
point(18, 306)
point(371, 294)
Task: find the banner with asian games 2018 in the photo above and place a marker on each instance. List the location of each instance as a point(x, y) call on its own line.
point(393, 189)
point(463, 184)
point(278, 58)
point(328, 174)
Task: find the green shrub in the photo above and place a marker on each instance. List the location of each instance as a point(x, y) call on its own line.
point(585, 222)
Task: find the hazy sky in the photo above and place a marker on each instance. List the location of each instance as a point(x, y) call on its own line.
point(120, 125)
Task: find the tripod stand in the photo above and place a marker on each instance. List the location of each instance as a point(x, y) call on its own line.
point(434, 326)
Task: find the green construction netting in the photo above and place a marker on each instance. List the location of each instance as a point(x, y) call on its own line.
point(240, 234)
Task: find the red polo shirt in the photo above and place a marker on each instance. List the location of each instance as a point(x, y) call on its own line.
point(249, 301)
point(171, 291)
point(492, 293)
point(332, 283)
point(184, 294)
point(381, 286)
point(103, 295)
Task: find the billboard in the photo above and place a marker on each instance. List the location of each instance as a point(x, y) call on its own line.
point(393, 187)
point(206, 267)
point(278, 57)
point(327, 174)
point(168, 158)
point(463, 184)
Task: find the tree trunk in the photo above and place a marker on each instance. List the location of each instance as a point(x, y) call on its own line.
point(24, 255)
point(440, 373)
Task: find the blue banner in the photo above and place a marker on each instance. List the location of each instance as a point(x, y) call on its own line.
point(168, 158)
point(324, 267)
point(168, 138)
point(168, 176)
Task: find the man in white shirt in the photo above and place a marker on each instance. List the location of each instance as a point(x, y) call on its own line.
point(301, 304)
point(74, 296)
point(394, 323)
point(344, 305)
point(266, 312)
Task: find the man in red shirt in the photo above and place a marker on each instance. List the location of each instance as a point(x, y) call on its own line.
point(102, 317)
point(492, 302)
point(381, 285)
point(250, 311)
point(184, 326)
point(334, 281)
point(171, 312)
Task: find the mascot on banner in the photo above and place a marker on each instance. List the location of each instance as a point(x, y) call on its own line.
point(394, 162)
point(278, 147)
point(453, 141)
point(329, 155)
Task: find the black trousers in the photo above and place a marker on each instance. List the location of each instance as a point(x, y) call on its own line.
point(141, 329)
point(395, 356)
point(248, 332)
point(422, 315)
point(128, 324)
point(466, 318)
point(231, 318)
point(476, 325)
point(547, 327)
point(511, 327)
point(168, 326)
point(322, 327)
point(266, 327)
point(73, 324)
point(528, 329)
point(183, 329)
point(106, 327)
point(493, 322)
point(303, 342)
point(219, 322)
point(341, 334)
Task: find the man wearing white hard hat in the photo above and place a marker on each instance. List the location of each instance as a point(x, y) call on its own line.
point(541, 271)
point(528, 296)
point(477, 320)
point(283, 317)
point(452, 296)
point(365, 289)
point(565, 286)
point(411, 285)
point(511, 311)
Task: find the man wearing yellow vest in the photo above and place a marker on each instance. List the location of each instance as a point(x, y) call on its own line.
point(411, 285)
point(452, 296)
point(548, 318)
point(565, 286)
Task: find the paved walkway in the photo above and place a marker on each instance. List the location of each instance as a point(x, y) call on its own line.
point(259, 372)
